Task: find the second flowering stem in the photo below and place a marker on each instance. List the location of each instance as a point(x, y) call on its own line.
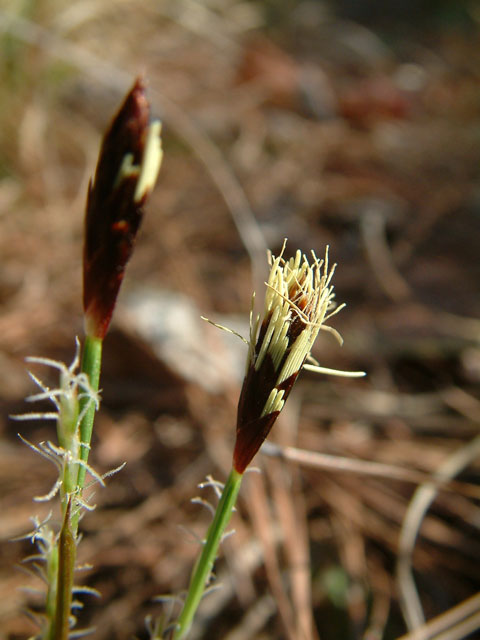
point(204, 565)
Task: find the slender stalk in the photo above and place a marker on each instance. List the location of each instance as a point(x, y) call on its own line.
point(74, 480)
point(91, 365)
point(203, 567)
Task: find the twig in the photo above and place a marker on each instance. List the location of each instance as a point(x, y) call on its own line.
point(366, 467)
point(454, 623)
point(421, 501)
point(380, 256)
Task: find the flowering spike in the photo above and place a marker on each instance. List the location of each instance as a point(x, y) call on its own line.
point(298, 300)
point(126, 172)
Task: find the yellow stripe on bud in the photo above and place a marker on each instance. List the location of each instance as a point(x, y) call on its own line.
point(151, 161)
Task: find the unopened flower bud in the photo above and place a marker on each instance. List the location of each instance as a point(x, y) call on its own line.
point(126, 172)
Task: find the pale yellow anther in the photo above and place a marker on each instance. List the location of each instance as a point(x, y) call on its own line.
point(151, 161)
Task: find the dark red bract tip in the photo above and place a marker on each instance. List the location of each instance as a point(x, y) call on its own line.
point(249, 440)
point(253, 427)
point(113, 216)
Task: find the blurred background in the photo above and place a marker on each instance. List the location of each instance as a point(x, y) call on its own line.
point(352, 124)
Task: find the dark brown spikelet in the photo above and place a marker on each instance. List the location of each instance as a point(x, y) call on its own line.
point(115, 209)
point(252, 426)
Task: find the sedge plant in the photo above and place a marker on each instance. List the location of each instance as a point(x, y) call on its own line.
point(299, 300)
point(127, 169)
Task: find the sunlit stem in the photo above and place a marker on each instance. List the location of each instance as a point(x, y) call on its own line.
point(203, 567)
point(91, 365)
point(67, 439)
point(59, 600)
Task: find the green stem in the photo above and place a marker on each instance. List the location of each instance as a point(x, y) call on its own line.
point(74, 480)
point(203, 567)
point(91, 365)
